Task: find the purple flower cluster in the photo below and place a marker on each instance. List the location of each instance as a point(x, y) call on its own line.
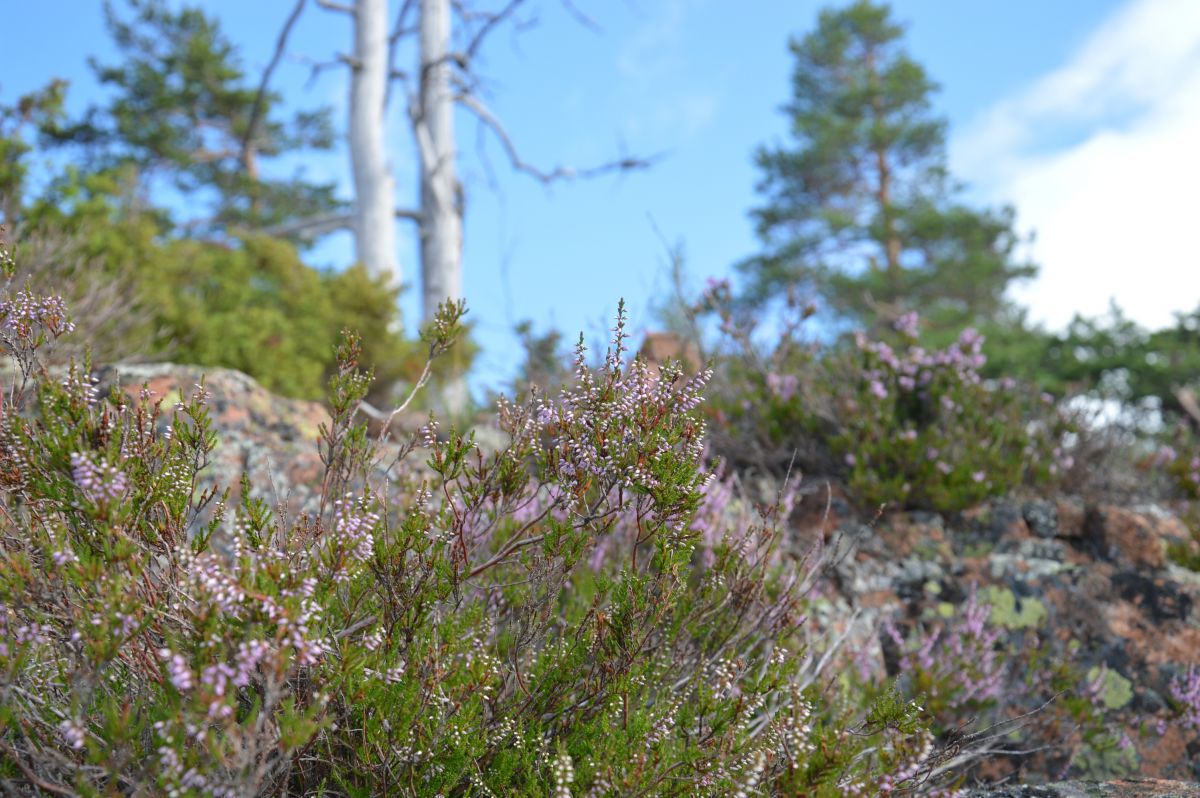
point(294, 631)
point(1186, 470)
point(782, 386)
point(215, 679)
point(615, 428)
point(215, 582)
point(1186, 691)
point(915, 367)
point(21, 636)
point(73, 733)
point(100, 482)
point(24, 313)
point(960, 659)
point(354, 530)
point(908, 325)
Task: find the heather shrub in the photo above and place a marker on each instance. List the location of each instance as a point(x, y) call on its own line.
point(1181, 463)
point(542, 619)
point(984, 674)
point(919, 428)
point(901, 424)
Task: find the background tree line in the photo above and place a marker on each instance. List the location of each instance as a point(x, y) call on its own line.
point(174, 224)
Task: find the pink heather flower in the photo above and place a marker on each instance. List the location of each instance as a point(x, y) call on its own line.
point(178, 672)
point(1186, 690)
point(355, 529)
point(978, 476)
point(248, 656)
point(72, 733)
point(99, 481)
point(943, 466)
point(1165, 455)
point(908, 325)
point(782, 386)
point(878, 389)
point(24, 312)
point(851, 460)
point(62, 557)
point(909, 435)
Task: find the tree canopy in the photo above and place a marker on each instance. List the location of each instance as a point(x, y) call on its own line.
point(859, 205)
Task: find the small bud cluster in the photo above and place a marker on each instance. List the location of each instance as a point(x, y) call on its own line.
point(100, 482)
point(563, 770)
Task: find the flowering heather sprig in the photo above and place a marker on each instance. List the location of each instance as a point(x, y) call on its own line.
point(620, 430)
point(958, 664)
point(25, 314)
point(782, 386)
point(563, 770)
point(214, 581)
point(85, 386)
point(178, 671)
point(99, 481)
point(1186, 691)
point(915, 367)
point(354, 529)
point(1185, 469)
point(908, 325)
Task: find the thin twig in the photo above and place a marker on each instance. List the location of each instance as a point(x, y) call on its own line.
point(260, 98)
point(492, 122)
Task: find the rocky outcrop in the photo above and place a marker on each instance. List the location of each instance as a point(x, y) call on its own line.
point(1091, 582)
point(270, 439)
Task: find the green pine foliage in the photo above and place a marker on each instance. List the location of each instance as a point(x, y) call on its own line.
point(184, 113)
point(858, 204)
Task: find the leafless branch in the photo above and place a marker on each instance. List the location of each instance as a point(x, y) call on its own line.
point(489, 119)
point(490, 23)
point(580, 17)
point(261, 97)
point(317, 67)
point(323, 224)
point(399, 31)
point(341, 8)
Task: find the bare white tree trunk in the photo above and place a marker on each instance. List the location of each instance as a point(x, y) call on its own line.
point(441, 193)
point(374, 186)
point(441, 207)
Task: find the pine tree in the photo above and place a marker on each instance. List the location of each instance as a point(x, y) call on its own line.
point(859, 206)
point(185, 114)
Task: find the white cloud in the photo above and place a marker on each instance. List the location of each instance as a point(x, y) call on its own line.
point(1114, 208)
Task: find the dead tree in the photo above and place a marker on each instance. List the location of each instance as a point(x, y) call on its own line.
point(449, 35)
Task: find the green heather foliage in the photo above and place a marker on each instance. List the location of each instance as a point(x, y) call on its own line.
point(534, 621)
point(902, 425)
point(586, 611)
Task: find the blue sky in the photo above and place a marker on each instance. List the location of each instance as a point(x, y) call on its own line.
point(1079, 113)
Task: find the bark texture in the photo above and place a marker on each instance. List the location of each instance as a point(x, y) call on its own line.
point(374, 186)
